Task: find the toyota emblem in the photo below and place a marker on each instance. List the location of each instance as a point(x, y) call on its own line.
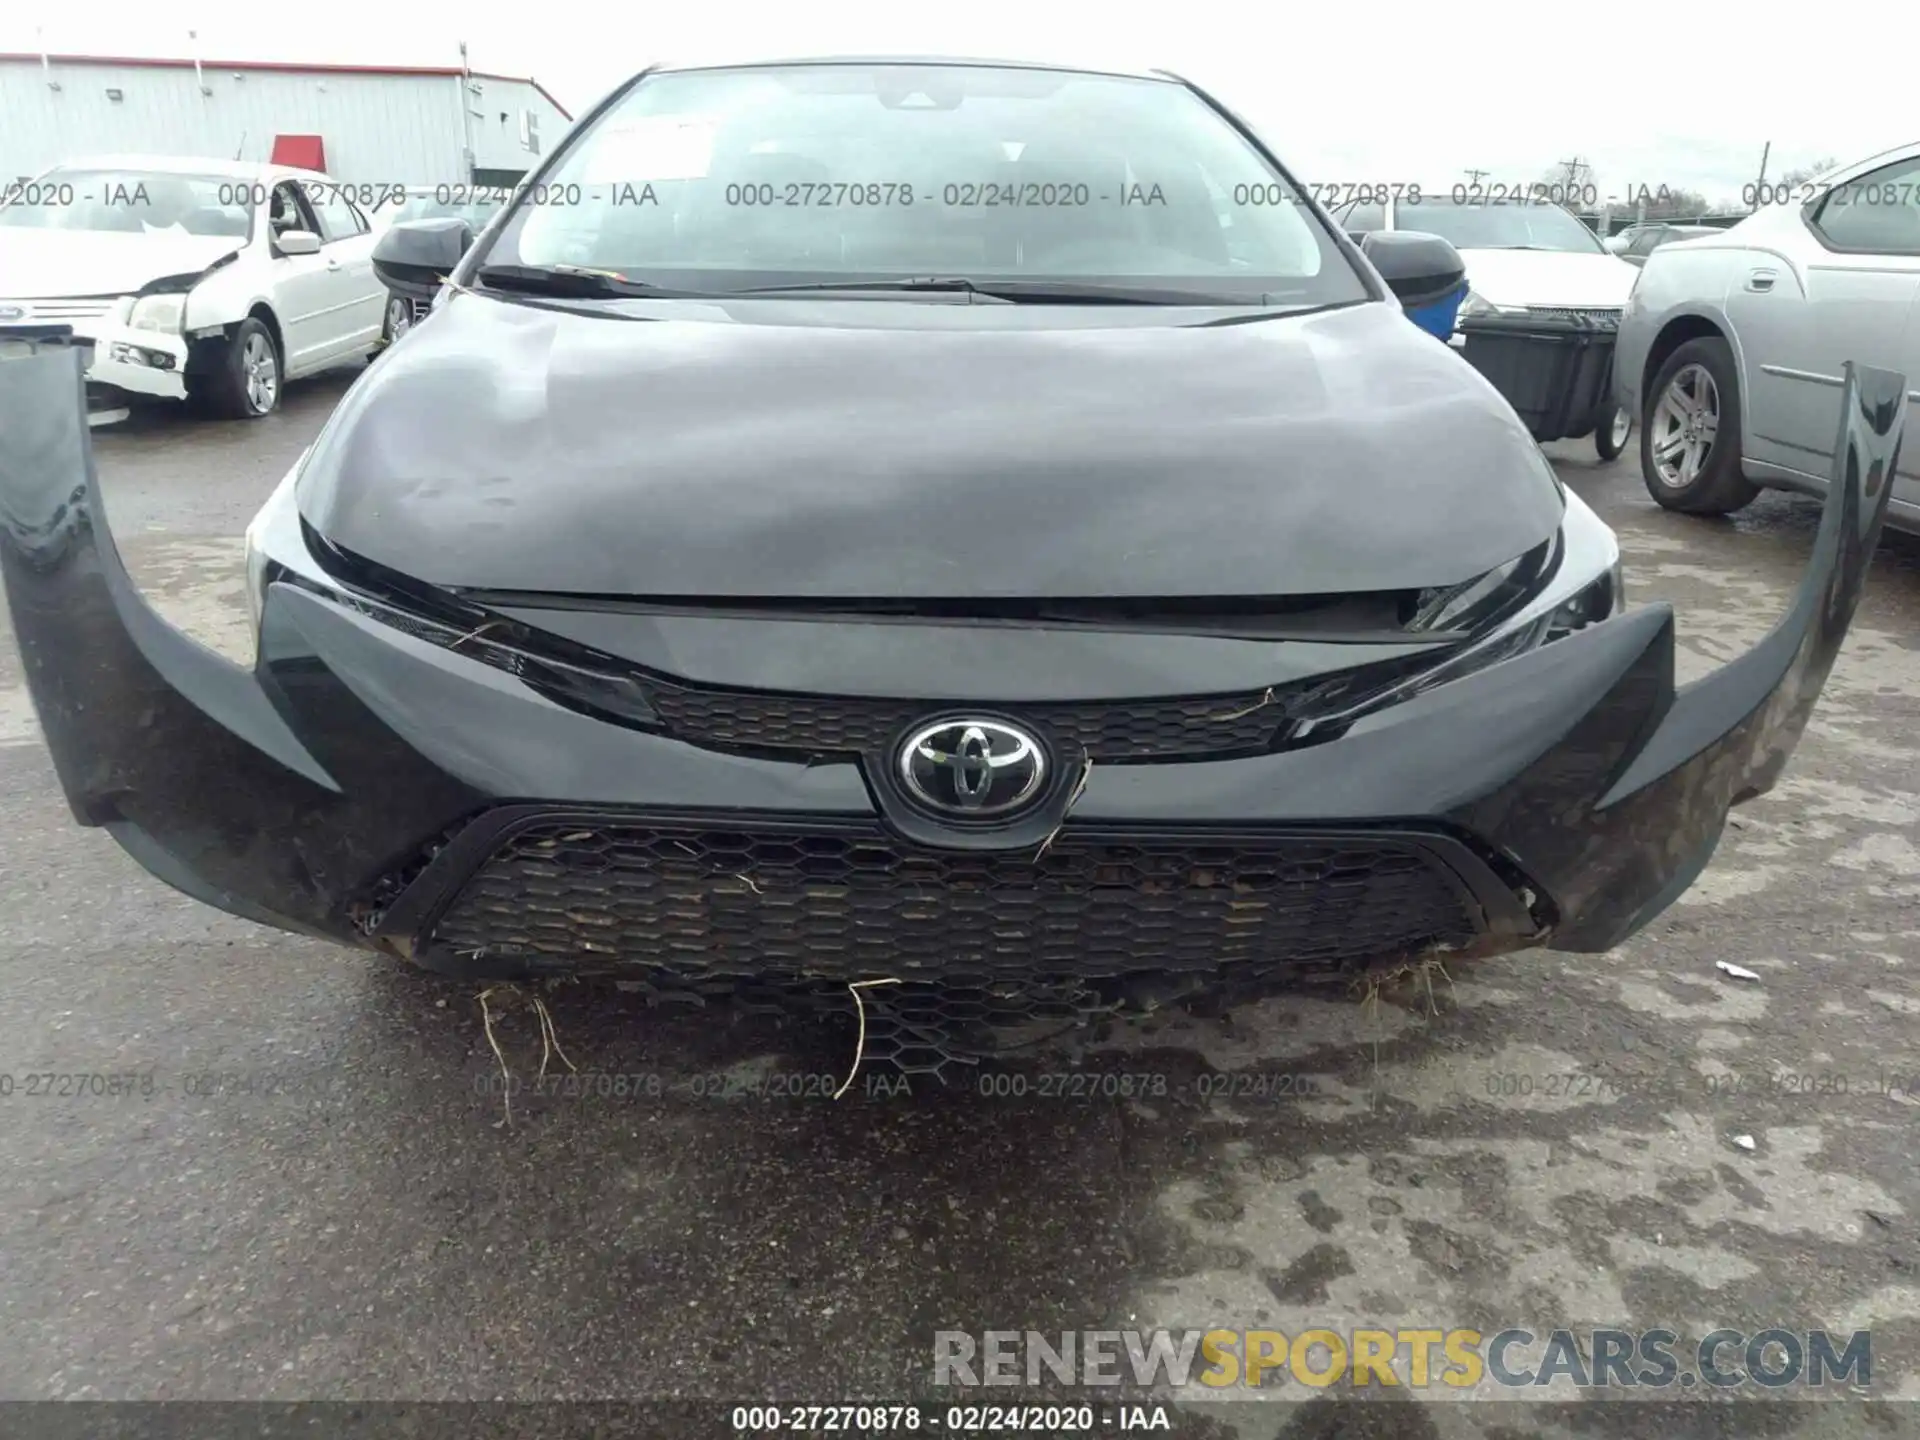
point(973, 769)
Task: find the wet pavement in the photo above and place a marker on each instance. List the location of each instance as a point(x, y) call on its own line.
point(314, 1190)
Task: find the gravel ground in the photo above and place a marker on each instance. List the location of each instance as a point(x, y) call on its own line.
point(1553, 1146)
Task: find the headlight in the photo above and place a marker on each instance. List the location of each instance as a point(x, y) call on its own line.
point(1473, 604)
point(165, 313)
point(1566, 584)
point(1478, 304)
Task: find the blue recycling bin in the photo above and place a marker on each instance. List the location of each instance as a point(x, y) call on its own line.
point(1436, 317)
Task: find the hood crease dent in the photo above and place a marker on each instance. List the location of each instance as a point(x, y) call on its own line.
point(824, 449)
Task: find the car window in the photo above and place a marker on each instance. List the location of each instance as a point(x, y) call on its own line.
point(734, 179)
point(1362, 217)
point(334, 211)
point(1648, 238)
point(290, 210)
point(1880, 211)
point(1513, 225)
point(132, 202)
point(454, 204)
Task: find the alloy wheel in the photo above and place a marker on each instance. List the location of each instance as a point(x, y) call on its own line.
point(1684, 424)
point(262, 369)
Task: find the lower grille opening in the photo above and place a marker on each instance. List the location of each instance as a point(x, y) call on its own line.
point(844, 902)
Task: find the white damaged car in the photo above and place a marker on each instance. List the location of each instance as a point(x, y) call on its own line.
point(210, 280)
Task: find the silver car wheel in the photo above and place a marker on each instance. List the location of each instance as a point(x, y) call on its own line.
point(262, 368)
point(1684, 424)
point(1622, 427)
point(399, 317)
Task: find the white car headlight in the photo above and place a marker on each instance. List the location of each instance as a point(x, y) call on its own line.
point(164, 313)
point(1478, 304)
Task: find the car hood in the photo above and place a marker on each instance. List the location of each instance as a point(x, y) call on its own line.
point(1549, 277)
point(37, 264)
point(899, 449)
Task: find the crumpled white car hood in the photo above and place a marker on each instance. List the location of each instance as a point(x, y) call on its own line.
point(36, 263)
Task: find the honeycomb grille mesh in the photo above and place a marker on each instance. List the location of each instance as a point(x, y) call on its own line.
point(1206, 725)
point(1600, 317)
point(840, 903)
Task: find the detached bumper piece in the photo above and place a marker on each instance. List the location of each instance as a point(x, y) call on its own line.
point(378, 787)
point(1555, 367)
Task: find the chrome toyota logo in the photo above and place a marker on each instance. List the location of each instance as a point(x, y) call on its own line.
point(11, 312)
point(975, 769)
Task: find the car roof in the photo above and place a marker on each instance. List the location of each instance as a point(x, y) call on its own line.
point(1162, 76)
point(1871, 162)
point(187, 165)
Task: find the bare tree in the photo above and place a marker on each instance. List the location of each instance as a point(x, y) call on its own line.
point(1665, 202)
point(1800, 174)
point(1571, 179)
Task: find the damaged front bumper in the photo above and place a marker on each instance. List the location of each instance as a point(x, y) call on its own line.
point(374, 787)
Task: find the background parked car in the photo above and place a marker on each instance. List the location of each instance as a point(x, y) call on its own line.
point(213, 280)
point(1731, 345)
point(1641, 241)
point(1540, 316)
point(430, 202)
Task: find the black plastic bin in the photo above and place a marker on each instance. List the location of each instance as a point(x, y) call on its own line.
point(1556, 371)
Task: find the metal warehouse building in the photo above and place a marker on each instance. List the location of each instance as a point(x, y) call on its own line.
point(361, 124)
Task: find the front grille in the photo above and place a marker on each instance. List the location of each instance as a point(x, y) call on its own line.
point(60, 311)
point(853, 902)
point(421, 309)
point(1157, 729)
point(1601, 317)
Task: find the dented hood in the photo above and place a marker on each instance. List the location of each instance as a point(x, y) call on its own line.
point(894, 448)
point(37, 264)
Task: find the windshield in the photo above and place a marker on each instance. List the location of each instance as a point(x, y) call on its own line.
point(132, 202)
point(721, 180)
point(431, 207)
point(1539, 225)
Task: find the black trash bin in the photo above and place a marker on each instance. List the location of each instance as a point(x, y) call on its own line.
point(1554, 366)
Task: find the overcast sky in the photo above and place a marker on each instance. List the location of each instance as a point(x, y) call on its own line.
point(1648, 91)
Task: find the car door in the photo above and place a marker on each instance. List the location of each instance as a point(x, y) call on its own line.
point(1906, 475)
point(302, 288)
point(1842, 287)
point(356, 300)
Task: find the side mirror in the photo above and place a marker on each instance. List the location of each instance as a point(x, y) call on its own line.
point(1419, 268)
point(297, 242)
point(414, 256)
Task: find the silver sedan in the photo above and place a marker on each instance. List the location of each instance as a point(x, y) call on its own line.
point(1732, 343)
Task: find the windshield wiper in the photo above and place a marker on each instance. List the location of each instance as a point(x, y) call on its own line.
point(1037, 292)
point(574, 281)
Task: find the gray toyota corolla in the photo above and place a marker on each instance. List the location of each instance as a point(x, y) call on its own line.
point(971, 525)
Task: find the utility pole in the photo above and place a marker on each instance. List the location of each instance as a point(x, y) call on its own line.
point(1473, 176)
point(1573, 168)
point(1760, 184)
point(466, 117)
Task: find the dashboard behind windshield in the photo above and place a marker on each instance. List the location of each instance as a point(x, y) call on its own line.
point(131, 202)
point(733, 179)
